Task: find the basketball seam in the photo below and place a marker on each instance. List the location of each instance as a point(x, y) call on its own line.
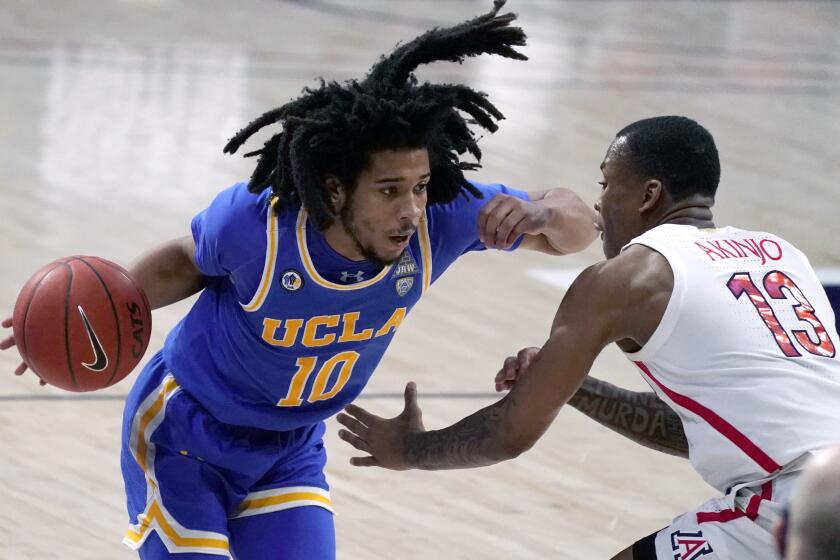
point(116, 320)
point(122, 271)
point(67, 325)
point(22, 343)
point(142, 293)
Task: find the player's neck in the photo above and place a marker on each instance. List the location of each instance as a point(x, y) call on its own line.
point(693, 211)
point(342, 243)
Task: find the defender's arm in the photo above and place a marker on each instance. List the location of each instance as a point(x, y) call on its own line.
point(511, 426)
point(640, 416)
point(601, 307)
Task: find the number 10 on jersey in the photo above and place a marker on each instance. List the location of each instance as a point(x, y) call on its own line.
point(741, 283)
point(345, 361)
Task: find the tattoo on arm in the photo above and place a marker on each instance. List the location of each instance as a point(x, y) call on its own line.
point(475, 441)
point(641, 417)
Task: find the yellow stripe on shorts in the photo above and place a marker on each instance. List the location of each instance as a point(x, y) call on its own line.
point(267, 501)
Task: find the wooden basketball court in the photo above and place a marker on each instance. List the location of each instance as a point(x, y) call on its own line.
point(113, 117)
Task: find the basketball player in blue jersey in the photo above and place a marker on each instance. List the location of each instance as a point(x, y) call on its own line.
point(307, 271)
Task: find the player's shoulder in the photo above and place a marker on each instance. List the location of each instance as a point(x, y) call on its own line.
point(236, 210)
point(235, 219)
point(636, 274)
point(636, 259)
point(239, 201)
point(624, 296)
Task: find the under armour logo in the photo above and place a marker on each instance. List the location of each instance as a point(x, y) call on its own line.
point(357, 277)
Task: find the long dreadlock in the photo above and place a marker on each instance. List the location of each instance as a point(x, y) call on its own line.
point(334, 128)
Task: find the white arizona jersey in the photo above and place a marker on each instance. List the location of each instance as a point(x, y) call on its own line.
point(746, 352)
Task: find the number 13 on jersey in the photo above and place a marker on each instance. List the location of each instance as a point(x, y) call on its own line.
point(774, 282)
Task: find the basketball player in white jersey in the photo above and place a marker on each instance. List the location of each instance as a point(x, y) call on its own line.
point(730, 328)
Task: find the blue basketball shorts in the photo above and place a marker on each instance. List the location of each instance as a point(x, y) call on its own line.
point(200, 489)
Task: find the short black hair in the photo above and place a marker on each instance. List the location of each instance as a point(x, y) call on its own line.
point(334, 128)
point(675, 150)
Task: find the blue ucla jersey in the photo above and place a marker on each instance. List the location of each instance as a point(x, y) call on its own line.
point(272, 344)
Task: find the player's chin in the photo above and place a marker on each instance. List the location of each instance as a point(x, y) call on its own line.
point(390, 257)
point(383, 254)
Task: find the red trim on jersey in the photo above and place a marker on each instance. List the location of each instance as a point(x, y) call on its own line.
point(752, 505)
point(719, 516)
point(751, 512)
point(726, 429)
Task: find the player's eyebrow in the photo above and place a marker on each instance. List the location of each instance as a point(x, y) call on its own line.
point(398, 179)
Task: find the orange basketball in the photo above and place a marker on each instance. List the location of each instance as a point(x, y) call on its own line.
point(81, 323)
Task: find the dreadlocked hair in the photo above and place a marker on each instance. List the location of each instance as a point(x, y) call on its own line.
point(334, 128)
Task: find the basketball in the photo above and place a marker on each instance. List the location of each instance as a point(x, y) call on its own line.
point(81, 323)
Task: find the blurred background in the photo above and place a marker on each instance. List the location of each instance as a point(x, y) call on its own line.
point(112, 120)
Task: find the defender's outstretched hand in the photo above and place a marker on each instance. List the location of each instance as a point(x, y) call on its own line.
point(383, 438)
point(513, 367)
point(8, 342)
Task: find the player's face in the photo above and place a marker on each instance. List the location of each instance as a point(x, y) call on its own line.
point(384, 209)
point(619, 218)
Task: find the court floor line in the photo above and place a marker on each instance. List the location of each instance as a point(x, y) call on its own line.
point(112, 398)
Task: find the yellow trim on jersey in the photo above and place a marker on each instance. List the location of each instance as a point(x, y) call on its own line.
point(310, 268)
point(149, 416)
point(277, 499)
point(155, 518)
point(270, 260)
point(150, 413)
point(425, 251)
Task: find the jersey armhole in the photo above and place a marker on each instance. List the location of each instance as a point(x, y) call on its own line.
point(672, 310)
point(425, 243)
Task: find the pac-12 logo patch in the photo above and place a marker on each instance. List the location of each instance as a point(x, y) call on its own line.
point(689, 546)
point(291, 280)
point(403, 285)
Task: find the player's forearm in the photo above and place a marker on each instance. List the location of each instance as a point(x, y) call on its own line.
point(641, 417)
point(476, 441)
point(168, 273)
point(571, 227)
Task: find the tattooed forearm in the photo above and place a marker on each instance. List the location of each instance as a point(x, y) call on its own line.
point(642, 417)
point(475, 441)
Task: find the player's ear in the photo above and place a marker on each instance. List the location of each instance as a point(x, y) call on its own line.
point(653, 191)
point(336, 192)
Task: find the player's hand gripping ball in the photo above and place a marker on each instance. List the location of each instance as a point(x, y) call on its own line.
point(81, 323)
